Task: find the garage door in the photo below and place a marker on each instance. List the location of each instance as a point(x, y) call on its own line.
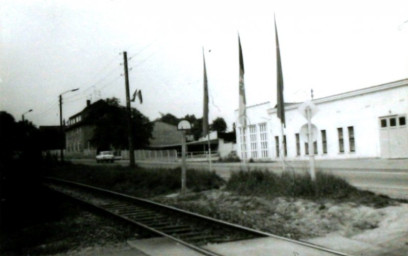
point(394, 136)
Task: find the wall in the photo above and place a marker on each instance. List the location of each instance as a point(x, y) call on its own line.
point(225, 148)
point(361, 110)
point(165, 134)
point(78, 139)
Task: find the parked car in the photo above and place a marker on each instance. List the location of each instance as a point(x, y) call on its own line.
point(105, 156)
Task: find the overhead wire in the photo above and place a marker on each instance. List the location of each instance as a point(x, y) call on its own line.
point(47, 109)
point(144, 60)
point(103, 82)
point(143, 49)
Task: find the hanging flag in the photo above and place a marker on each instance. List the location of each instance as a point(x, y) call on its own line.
point(242, 100)
point(137, 93)
point(205, 100)
point(279, 76)
point(140, 96)
point(134, 96)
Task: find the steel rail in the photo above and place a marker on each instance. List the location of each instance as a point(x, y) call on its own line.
point(138, 224)
point(198, 216)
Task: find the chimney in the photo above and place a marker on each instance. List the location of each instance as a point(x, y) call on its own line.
point(88, 102)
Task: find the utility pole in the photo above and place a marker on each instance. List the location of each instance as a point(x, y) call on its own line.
point(61, 130)
point(129, 113)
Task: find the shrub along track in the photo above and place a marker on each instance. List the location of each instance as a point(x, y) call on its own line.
point(154, 219)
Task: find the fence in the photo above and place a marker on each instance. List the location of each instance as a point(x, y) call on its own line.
point(162, 155)
point(168, 155)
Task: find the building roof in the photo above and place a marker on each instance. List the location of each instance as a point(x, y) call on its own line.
point(350, 94)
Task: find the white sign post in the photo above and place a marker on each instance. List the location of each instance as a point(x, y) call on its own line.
point(308, 109)
point(183, 126)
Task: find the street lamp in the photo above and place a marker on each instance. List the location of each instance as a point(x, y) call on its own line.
point(22, 116)
point(61, 128)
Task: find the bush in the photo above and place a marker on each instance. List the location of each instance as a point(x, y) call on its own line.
point(138, 181)
point(265, 183)
point(231, 158)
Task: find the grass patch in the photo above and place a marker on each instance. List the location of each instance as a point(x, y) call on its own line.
point(137, 181)
point(288, 184)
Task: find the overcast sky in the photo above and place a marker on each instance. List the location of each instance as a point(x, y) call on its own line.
point(49, 47)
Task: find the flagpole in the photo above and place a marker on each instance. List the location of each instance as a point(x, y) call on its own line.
point(243, 146)
point(283, 149)
point(209, 152)
point(242, 104)
point(280, 106)
point(206, 130)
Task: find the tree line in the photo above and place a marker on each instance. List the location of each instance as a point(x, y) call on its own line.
point(110, 130)
point(218, 124)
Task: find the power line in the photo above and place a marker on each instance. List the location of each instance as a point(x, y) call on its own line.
point(144, 48)
point(139, 52)
point(143, 61)
point(110, 83)
point(101, 79)
point(402, 24)
point(48, 109)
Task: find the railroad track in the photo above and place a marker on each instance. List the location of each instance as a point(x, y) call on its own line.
point(187, 228)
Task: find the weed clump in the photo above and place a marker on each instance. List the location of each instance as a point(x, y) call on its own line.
point(269, 184)
point(138, 181)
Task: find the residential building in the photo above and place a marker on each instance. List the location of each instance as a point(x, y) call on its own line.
point(79, 131)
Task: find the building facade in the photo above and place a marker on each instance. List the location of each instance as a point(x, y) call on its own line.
point(79, 131)
point(365, 123)
point(165, 135)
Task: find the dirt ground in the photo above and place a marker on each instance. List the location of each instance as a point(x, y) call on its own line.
point(383, 229)
point(289, 217)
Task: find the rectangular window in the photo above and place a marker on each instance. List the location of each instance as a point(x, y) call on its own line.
point(383, 123)
point(284, 146)
point(351, 139)
point(297, 144)
point(253, 140)
point(306, 148)
point(324, 141)
point(341, 139)
point(315, 147)
point(243, 143)
point(277, 145)
point(393, 122)
point(264, 140)
point(402, 120)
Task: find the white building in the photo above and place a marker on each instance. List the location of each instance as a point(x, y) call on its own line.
point(366, 123)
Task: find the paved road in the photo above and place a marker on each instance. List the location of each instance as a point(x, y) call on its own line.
point(389, 177)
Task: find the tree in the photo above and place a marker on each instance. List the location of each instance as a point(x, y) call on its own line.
point(18, 140)
point(197, 128)
point(8, 136)
point(169, 119)
point(219, 125)
point(142, 129)
point(111, 130)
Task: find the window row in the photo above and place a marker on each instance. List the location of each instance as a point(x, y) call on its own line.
point(253, 141)
point(392, 121)
point(323, 135)
point(281, 146)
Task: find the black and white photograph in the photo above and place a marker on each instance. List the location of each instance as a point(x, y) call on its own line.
point(192, 127)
